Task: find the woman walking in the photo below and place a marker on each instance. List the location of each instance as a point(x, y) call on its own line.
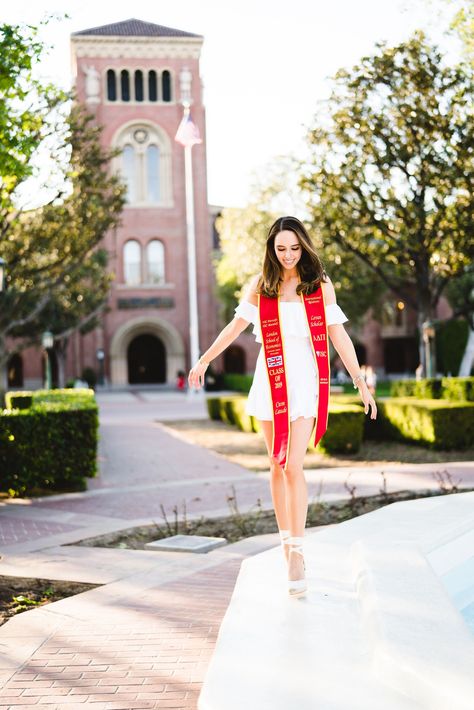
point(292, 306)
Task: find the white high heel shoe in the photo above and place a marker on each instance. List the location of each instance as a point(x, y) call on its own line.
point(296, 587)
point(284, 535)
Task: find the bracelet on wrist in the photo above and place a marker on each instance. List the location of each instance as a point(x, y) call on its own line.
point(356, 379)
point(203, 362)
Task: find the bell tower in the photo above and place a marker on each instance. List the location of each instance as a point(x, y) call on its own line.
point(130, 75)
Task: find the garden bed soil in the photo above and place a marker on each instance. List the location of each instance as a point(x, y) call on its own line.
point(238, 525)
point(18, 594)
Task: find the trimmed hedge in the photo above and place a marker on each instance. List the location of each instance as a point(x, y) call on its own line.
point(345, 430)
point(438, 424)
point(237, 383)
point(450, 388)
point(51, 445)
point(345, 422)
point(458, 389)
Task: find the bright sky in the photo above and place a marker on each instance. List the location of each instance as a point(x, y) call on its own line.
point(265, 63)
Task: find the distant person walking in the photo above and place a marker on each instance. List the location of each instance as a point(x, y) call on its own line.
point(292, 306)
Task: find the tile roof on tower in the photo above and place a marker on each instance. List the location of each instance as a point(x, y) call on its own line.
point(135, 28)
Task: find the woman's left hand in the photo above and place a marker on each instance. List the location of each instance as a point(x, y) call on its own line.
point(367, 399)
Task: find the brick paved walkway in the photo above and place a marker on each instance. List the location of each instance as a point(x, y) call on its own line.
point(151, 654)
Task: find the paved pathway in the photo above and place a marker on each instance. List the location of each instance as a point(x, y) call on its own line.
point(143, 639)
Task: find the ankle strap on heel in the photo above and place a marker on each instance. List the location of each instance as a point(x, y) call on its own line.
point(296, 542)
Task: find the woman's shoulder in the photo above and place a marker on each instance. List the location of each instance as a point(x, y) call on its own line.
point(328, 289)
point(250, 293)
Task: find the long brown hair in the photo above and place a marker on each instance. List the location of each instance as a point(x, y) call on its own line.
point(309, 266)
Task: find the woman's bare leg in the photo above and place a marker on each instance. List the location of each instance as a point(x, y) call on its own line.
point(296, 488)
point(277, 483)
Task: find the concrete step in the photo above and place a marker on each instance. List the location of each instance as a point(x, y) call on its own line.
point(377, 628)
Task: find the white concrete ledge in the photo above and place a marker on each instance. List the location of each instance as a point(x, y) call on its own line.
point(377, 629)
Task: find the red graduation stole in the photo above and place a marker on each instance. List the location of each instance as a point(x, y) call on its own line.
point(272, 337)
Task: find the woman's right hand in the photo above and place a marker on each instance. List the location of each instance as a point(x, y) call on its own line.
point(196, 375)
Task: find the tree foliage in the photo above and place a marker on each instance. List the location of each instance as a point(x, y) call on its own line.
point(463, 25)
point(390, 176)
point(56, 268)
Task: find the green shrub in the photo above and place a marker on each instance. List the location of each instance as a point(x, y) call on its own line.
point(213, 408)
point(435, 423)
point(345, 430)
point(242, 420)
point(402, 388)
point(21, 399)
point(458, 389)
point(450, 388)
point(51, 445)
point(237, 383)
point(255, 424)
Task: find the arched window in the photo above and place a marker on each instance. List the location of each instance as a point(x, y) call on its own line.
point(145, 164)
point(138, 85)
point(111, 85)
point(152, 86)
point(155, 262)
point(166, 86)
point(129, 172)
point(125, 85)
point(153, 173)
point(132, 262)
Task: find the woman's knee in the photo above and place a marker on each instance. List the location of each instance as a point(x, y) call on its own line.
point(294, 470)
point(275, 468)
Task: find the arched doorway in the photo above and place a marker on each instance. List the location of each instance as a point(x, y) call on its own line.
point(164, 331)
point(235, 360)
point(15, 371)
point(146, 360)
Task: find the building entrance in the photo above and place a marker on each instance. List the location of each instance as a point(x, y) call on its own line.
point(146, 358)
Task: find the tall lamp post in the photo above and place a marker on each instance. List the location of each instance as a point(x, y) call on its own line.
point(100, 354)
point(188, 135)
point(428, 333)
point(47, 342)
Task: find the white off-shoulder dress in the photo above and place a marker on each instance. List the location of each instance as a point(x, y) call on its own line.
point(301, 369)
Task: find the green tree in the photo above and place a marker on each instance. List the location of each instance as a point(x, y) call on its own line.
point(28, 111)
point(390, 174)
point(463, 25)
point(242, 234)
point(56, 266)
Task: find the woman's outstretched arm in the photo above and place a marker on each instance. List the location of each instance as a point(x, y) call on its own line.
point(345, 348)
point(225, 338)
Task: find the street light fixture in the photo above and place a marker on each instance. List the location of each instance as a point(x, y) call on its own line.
point(428, 332)
point(47, 342)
